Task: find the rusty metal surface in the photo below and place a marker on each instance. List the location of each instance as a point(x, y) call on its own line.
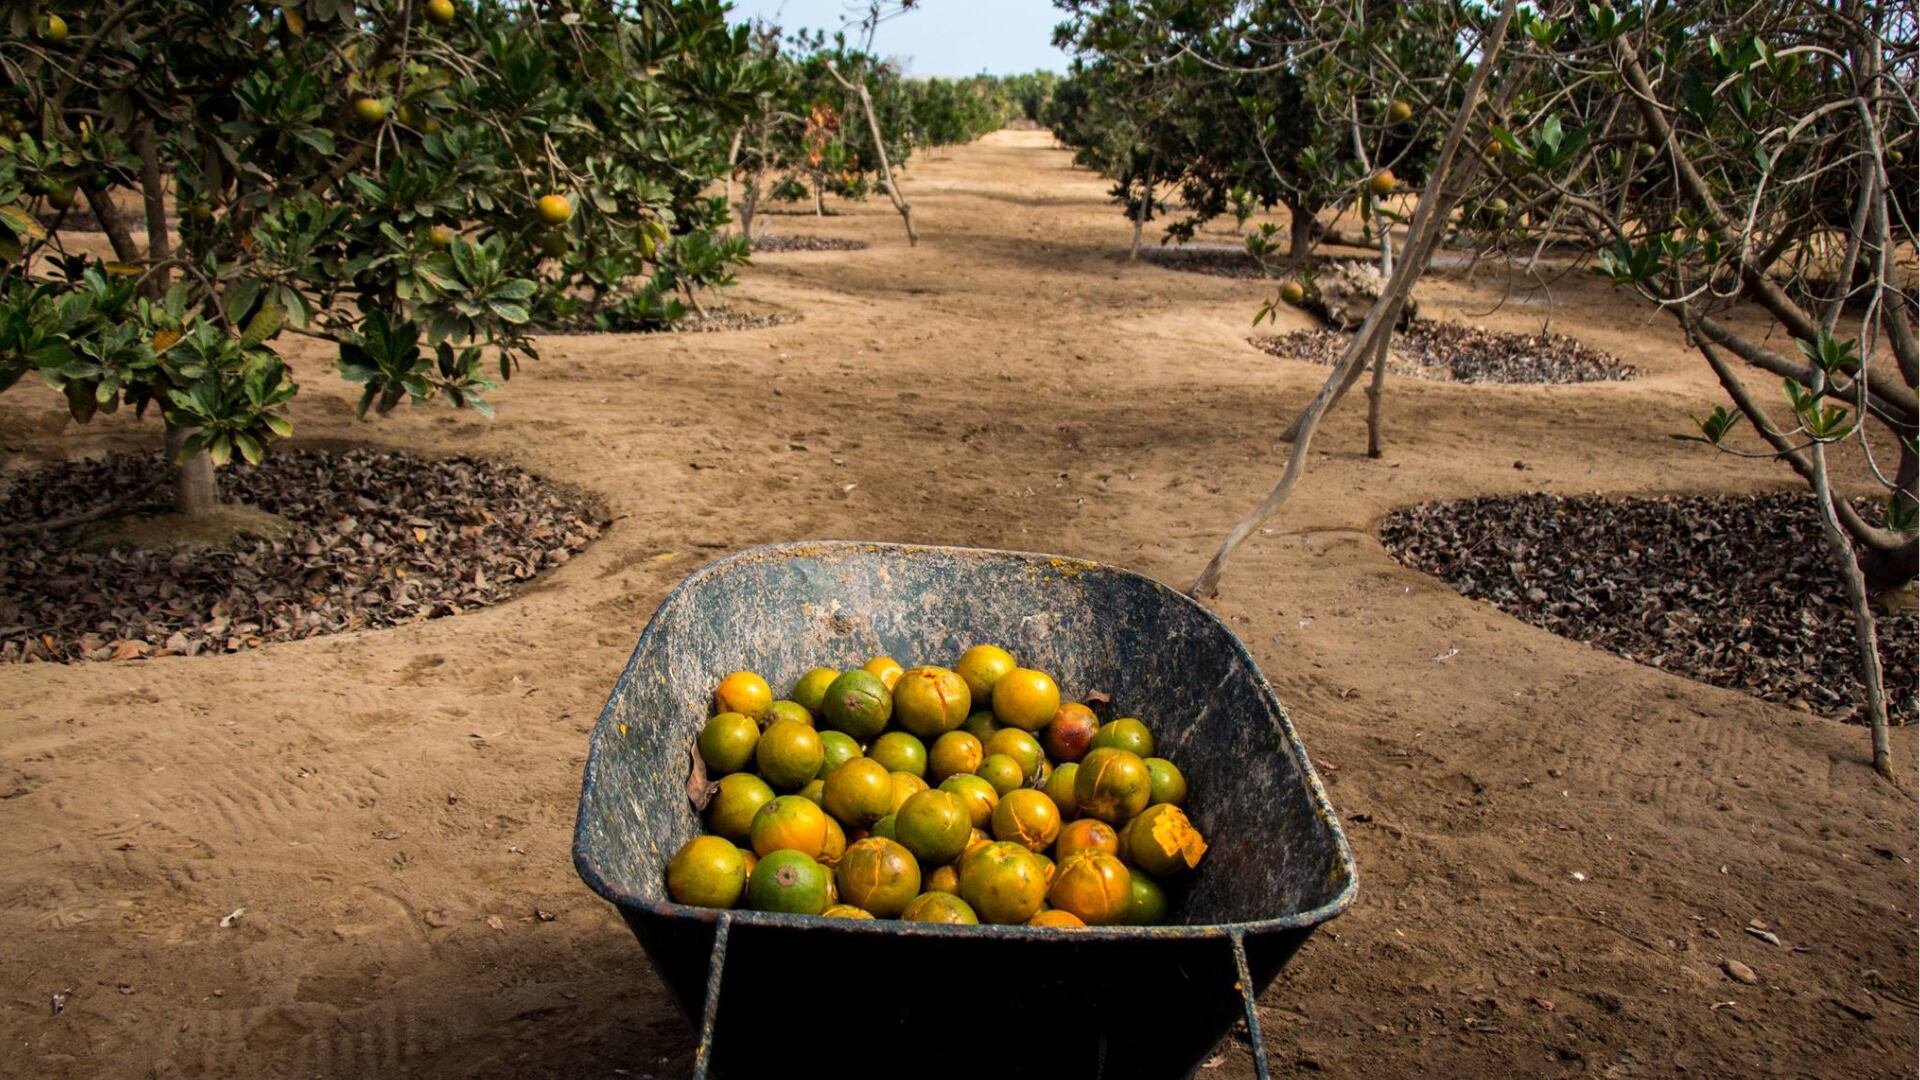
point(1278, 865)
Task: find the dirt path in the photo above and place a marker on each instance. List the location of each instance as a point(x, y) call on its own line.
point(1558, 848)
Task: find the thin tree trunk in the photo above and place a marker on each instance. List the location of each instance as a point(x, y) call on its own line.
point(1140, 212)
point(1377, 389)
point(1429, 220)
point(153, 188)
point(1865, 638)
point(194, 490)
point(1303, 234)
point(894, 193)
point(733, 162)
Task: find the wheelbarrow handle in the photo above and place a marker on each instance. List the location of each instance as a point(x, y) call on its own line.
point(1244, 981)
point(710, 1012)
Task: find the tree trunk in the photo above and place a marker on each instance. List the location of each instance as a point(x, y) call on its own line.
point(859, 86)
point(194, 490)
point(1303, 233)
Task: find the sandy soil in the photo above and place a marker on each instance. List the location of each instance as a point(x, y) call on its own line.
point(1558, 848)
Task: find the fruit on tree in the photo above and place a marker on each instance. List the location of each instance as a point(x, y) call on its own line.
point(708, 872)
point(51, 29)
point(1399, 112)
point(1381, 183)
point(556, 210)
point(369, 110)
point(1292, 292)
point(440, 12)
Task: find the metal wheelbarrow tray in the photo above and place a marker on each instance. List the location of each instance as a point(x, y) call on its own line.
point(775, 994)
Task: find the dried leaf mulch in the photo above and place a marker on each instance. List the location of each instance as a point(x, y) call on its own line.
point(1221, 261)
point(715, 320)
point(774, 244)
point(1455, 352)
point(380, 538)
point(1735, 591)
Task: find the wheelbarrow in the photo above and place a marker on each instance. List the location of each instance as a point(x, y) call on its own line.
point(791, 995)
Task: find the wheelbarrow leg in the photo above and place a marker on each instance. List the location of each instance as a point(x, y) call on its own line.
point(1245, 984)
point(710, 1012)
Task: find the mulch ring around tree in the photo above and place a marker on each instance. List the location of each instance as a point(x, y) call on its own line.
point(774, 244)
point(716, 320)
point(1454, 352)
point(378, 538)
point(1223, 261)
point(1735, 591)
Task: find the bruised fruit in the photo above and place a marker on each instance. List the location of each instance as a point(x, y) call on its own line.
point(1086, 834)
point(930, 701)
point(1025, 699)
point(1093, 885)
point(1163, 842)
point(934, 826)
point(727, 742)
point(1167, 783)
point(878, 875)
point(976, 794)
point(1070, 734)
point(1004, 773)
point(952, 754)
point(939, 907)
point(736, 798)
point(707, 871)
point(789, 823)
point(859, 793)
point(1003, 882)
point(900, 752)
point(1111, 785)
point(789, 754)
point(743, 692)
point(981, 667)
point(1028, 818)
point(811, 689)
point(788, 881)
point(858, 703)
point(1127, 734)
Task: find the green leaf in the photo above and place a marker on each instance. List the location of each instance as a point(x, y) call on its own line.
point(265, 323)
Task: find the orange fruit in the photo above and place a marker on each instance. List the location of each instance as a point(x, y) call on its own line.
point(941, 879)
point(815, 792)
point(1026, 817)
point(1381, 184)
point(934, 825)
point(789, 754)
point(810, 690)
point(905, 786)
point(1023, 748)
point(1003, 883)
point(1057, 917)
point(369, 110)
point(1399, 112)
point(439, 237)
point(1069, 734)
point(939, 907)
point(736, 798)
point(1025, 699)
point(1093, 885)
point(982, 666)
point(846, 911)
point(900, 752)
point(789, 823)
point(1292, 292)
point(930, 701)
point(1046, 865)
point(1086, 834)
point(878, 875)
point(976, 839)
point(836, 843)
point(1111, 785)
point(440, 12)
point(887, 668)
point(859, 793)
point(858, 703)
point(1166, 783)
point(789, 881)
point(555, 210)
point(51, 29)
point(726, 743)
point(743, 692)
point(1059, 788)
point(1004, 773)
point(707, 871)
point(1163, 841)
point(837, 748)
point(1125, 733)
point(787, 710)
point(976, 794)
point(954, 754)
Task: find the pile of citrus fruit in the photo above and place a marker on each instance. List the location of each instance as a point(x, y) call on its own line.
point(963, 795)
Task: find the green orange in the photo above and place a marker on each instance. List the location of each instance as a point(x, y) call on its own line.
point(941, 879)
point(1026, 699)
point(977, 794)
point(1148, 907)
point(884, 827)
point(743, 692)
point(1086, 834)
point(934, 825)
point(1059, 788)
point(859, 793)
point(811, 689)
point(1163, 841)
point(900, 752)
point(1003, 883)
point(1004, 773)
point(930, 701)
point(1028, 818)
point(953, 754)
point(1069, 734)
point(1111, 785)
point(981, 667)
point(816, 791)
point(1127, 734)
point(878, 875)
point(836, 749)
point(1167, 783)
point(905, 786)
point(707, 871)
point(736, 798)
point(939, 907)
point(1021, 747)
point(789, 881)
point(727, 742)
point(981, 724)
point(858, 703)
point(789, 754)
point(787, 710)
point(1093, 885)
point(789, 823)
point(846, 911)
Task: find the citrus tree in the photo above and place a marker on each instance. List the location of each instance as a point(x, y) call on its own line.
point(417, 183)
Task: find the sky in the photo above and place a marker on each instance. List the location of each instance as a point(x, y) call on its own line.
point(938, 37)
